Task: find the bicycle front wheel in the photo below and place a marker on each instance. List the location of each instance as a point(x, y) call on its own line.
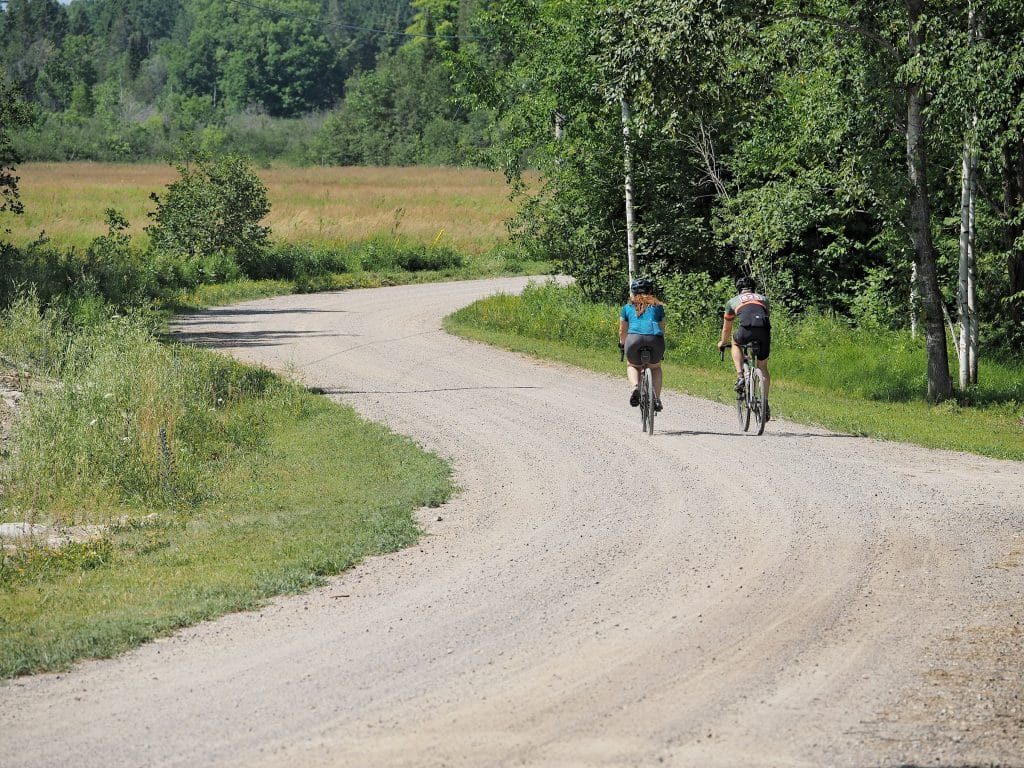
point(758, 399)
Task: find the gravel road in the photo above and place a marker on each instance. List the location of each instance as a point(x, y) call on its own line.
point(593, 596)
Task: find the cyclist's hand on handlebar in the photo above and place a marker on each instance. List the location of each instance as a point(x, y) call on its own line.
point(621, 346)
point(722, 345)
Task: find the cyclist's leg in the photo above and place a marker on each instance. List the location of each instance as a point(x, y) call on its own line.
point(656, 372)
point(765, 349)
point(632, 369)
point(633, 376)
point(737, 357)
point(762, 364)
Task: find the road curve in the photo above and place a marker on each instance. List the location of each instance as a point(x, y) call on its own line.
point(593, 596)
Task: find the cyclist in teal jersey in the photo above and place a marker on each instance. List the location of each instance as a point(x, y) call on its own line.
point(751, 308)
point(642, 324)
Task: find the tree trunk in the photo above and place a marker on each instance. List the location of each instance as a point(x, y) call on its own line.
point(940, 384)
point(972, 271)
point(915, 299)
point(967, 345)
point(628, 161)
point(965, 285)
point(1013, 189)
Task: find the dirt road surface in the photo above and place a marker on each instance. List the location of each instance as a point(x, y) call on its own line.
point(593, 596)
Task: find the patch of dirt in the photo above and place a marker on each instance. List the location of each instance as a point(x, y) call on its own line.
point(12, 389)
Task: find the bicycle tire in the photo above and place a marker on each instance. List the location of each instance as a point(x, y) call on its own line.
point(743, 401)
point(649, 389)
point(645, 403)
point(758, 399)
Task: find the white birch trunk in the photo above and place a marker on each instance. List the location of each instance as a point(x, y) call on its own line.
point(972, 292)
point(913, 301)
point(963, 342)
point(628, 155)
point(967, 343)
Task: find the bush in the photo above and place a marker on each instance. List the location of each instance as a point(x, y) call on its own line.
point(390, 254)
point(213, 212)
point(110, 270)
point(127, 420)
point(290, 261)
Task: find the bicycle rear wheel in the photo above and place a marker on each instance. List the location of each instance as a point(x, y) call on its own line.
point(758, 399)
point(649, 381)
point(743, 403)
point(647, 400)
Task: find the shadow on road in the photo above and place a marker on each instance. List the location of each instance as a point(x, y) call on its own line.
point(767, 434)
point(188, 314)
point(242, 339)
point(334, 391)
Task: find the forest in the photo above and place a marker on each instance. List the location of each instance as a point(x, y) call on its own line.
point(860, 159)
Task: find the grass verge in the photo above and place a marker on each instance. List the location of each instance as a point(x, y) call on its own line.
point(218, 486)
point(864, 383)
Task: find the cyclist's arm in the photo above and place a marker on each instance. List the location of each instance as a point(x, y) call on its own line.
point(726, 332)
point(623, 328)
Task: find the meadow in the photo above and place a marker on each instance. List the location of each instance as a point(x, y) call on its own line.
point(462, 208)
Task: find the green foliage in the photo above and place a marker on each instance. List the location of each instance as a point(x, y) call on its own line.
point(211, 215)
point(127, 420)
point(32, 565)
point(321, 492)
point(13, 113)
point(403, 112)
point(382, 254)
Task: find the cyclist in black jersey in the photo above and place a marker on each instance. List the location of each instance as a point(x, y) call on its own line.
point(751, 308)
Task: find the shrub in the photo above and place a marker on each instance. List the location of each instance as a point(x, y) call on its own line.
point(289, 261)
point(213, 212)
point(389, 254)
point(127, 419)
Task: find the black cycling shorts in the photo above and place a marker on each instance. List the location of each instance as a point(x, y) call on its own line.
point(634, 341)
point(763, 337)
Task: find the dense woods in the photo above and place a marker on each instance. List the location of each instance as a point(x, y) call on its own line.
point(859, 158)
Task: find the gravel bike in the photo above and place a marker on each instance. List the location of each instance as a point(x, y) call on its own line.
point(751, 399)
point(646, 388)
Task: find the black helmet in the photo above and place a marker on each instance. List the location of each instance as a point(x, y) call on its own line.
point(745, 283)
point(640, 286)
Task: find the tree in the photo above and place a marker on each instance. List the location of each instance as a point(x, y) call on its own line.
point(213, 210)
point(31, 33)
point(14, 112)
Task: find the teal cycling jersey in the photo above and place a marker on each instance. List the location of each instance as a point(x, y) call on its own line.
point(647, 323)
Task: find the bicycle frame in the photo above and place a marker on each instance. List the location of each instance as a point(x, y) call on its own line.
point(752, 401)
point(646, 387)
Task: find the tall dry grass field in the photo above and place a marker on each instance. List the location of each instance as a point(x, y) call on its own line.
point(465, 208)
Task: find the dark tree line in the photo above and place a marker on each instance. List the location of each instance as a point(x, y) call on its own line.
point(307, 81)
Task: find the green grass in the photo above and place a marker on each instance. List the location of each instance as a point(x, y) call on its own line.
point(324, 491)
point(861, 382)
point(220, 485)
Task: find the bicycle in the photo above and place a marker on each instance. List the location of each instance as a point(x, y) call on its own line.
point(751, 400)
point(646, 387)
